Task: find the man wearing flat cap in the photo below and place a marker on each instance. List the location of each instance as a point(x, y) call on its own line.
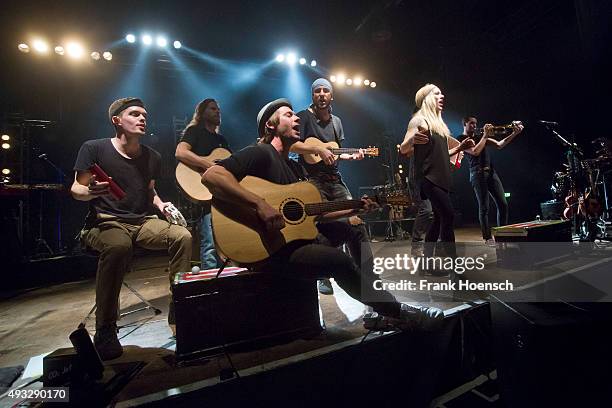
point(318, 121)
point(278, 127)
point(115, 224)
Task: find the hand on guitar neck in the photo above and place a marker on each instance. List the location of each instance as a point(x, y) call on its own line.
point(315, 150)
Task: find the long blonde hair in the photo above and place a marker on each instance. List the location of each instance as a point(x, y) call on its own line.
point(430, 113)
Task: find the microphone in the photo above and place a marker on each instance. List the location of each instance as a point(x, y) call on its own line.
point(43, 156)
point(546, 122)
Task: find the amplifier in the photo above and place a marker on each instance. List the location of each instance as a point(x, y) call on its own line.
point(523, 244)
point(552, 210)
point(240, 307)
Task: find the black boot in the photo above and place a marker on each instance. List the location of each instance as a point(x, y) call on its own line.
point(107, 343)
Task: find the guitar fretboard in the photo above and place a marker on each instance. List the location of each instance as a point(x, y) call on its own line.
point(348, 150)
point(331, 206)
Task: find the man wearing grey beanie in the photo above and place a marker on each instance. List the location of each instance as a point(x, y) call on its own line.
point(319, 122)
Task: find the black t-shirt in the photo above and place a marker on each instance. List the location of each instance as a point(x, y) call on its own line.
point(132, 175)
point(431, 161)
point(203, 141)
point(330, 131)
point(263, 161)
point(477, 162)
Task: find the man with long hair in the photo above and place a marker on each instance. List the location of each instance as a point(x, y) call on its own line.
point(114, 226)
point(430, 140)
point(278, 128)
point(483, 177)
point(200, 138)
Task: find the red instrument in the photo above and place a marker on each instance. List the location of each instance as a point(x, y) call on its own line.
point(116, 191)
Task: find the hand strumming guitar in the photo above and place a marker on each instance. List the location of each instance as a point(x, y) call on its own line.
point(270, 217)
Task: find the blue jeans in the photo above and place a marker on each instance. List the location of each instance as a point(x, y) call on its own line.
point(486, 183)
point(208, 255)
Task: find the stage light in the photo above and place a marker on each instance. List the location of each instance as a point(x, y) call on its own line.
point(399, 166)
point(23, 48)
point(332, 78)
point(341, 78)
point(291, 58)
point(6, 146)
point(366, 82)
point(6, 138)
point(302, 61)
point(161, 42)
point(40, 46)
point(313, 63)
point(349, 81)
point(131, 38)
point(147, 40)
point(373, 84)
point(401, 171)
point(177, 44)
point(59, 50)
point(74, 50)
point(107, 55)
point(95, 55)
point(357, 81)
point(6, 172)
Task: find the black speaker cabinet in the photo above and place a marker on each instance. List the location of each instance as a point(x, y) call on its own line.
point(240, 307)
point(552, 354)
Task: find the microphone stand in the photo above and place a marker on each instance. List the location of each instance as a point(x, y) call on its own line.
point(574, 151)
point(61, 178)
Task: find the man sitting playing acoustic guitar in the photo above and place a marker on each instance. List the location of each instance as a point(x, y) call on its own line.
point(278, 128)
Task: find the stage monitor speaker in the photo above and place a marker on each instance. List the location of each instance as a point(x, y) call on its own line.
point(240, 307)
point(552, 354)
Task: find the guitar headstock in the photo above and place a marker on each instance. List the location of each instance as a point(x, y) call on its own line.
point(371, 151)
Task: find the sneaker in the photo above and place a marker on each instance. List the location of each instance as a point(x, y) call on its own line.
point(490, 242)
point(420, 317)
point(416, 249)
point(325, 287)
point(107, 343)
point(375, 322)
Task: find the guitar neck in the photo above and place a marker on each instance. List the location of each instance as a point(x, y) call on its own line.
point(331, 206)
point(344, 150)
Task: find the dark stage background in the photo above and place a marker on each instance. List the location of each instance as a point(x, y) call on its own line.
point(519, 60)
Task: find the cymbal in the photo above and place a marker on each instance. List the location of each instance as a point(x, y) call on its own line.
point(56, 187)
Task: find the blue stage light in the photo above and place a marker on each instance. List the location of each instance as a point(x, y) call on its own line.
point(131, 38)
point(313, 63)
point(147, 39)
point(161, 41)
point(280, 57)
point(177, 44)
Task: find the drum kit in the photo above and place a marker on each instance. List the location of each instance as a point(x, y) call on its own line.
point(583, 186)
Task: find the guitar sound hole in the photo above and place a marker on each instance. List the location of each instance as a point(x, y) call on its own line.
point(293, 211)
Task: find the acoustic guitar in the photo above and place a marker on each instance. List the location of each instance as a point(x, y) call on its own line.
point(335, 149)
point(241, 236)
point(189, 178)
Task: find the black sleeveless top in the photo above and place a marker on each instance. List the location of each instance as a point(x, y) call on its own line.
point(431, 161)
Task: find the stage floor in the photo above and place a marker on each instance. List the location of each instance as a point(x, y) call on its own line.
point(38, 321)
